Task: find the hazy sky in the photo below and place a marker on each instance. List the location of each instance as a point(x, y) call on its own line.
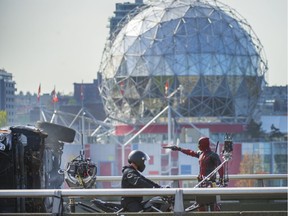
point(60, 42)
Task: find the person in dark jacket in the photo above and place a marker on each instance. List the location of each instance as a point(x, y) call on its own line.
point(132, 178)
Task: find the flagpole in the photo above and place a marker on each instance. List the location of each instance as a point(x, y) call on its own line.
point(39, 101)
point(83, 115)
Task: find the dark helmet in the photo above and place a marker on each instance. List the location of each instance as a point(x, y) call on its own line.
point(204, 144)
point(138, 158)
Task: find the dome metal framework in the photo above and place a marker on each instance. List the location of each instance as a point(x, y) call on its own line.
point(204, 46)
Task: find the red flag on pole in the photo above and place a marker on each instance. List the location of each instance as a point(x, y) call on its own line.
point(166, 87)
point(39, 92)
point(54, 96)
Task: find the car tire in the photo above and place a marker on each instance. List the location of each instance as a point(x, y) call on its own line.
point(56, 131)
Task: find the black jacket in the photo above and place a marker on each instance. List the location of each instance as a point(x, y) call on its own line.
point(131, 178)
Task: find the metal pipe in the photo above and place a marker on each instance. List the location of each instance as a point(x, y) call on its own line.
point(194, 177)
point(276, 192)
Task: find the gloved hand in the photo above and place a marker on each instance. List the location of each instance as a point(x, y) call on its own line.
point(175, 148)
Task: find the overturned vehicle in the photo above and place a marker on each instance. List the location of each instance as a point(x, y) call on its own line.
point(30, 158)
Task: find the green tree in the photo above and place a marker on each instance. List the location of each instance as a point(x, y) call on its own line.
point(3, 118)
point(254, 130)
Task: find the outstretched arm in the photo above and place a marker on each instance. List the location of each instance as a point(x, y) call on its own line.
point(183, 150)
point(190, 152)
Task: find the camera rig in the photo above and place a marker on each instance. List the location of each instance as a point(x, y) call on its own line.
point(80, 172)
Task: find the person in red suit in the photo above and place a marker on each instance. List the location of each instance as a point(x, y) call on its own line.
point(208, 160)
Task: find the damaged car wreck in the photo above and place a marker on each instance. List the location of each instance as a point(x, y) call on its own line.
point(30, 158)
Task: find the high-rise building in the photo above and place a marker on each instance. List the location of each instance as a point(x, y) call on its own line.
point(7, 95)
point(122, 9)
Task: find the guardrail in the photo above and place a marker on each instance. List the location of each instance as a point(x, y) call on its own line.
point(194, 177)
point(177, 178)
point(227, 193)
point(58, 194)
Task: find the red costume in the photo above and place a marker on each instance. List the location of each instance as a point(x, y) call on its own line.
point(208, 160)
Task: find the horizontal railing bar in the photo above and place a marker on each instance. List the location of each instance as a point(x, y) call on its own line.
point(194, 177)
point(12, 193)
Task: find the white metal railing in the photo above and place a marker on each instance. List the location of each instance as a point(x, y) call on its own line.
point(226, 192)
point(194, 177)
point(57, 194)
point(275, 192)
point(175, 179)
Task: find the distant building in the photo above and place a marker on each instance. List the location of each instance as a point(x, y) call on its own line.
point(7, 95)
point(274, 100)
point(122, 9)
point(88, 96)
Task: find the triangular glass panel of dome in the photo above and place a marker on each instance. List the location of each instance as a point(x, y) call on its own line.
point(150, 30)
point(192, 12)
point(122, 70)
point(163, 68)
point(223, 90)
point(166, 29)
point(178, 12)
point(188, 83)
point(157, 88)
point(135, 48)
point(128, 42)
point(242, 90)
point(253, 86)
point(145, 44)
point(233, 66)
point(213, 82)
point(164, 46)
point(134, 28)
point(118, 102)
point(153, 14)
point(205, 11)
point(179, 64)
point(141, 84)
point(201, 88)
point(180, 29)
point(222, 63)
point(130, 90)
point(215, 67)
point(133, 103)
point(153, 105)
point(230, 45)
point(218, 28)
point(179, 44)
point(149, 35)
point(255, 61)
point(208, 31)
point(193, 46)
point(214, 15)
point(149, 89)
point(132, 66)
point(121, 63)
point(233, 83)
point(140, 68)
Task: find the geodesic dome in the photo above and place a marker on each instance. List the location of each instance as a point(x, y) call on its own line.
point(202, 46)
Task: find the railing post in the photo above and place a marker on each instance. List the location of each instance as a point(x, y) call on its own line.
point(178, 203)
point(57, 203)
point(175, 184)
